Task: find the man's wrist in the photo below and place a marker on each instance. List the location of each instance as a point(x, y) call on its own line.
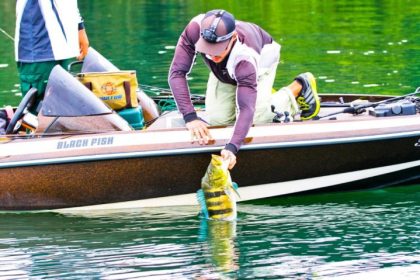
point(231, 147)
point(190, 117)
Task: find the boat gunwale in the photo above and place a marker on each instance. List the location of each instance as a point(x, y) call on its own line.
point(209, 149)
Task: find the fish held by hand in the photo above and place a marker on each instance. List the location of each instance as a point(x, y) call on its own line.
point(217, 194)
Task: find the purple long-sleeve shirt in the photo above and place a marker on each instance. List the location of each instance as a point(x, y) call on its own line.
point(244, 76)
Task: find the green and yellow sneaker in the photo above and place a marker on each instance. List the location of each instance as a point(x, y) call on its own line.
point(308, 99)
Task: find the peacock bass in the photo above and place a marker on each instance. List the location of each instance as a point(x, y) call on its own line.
point(217, 194)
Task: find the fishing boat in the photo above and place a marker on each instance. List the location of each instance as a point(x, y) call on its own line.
point(81, 155)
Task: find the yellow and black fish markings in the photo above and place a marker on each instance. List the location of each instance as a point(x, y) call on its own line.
point(217, 195)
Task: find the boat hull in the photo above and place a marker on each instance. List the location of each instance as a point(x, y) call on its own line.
point(102, 179)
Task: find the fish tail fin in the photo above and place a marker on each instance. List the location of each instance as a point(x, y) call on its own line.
point(235, 188)
point(202, 202)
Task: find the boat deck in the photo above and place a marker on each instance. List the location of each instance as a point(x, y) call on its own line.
point(173, 119)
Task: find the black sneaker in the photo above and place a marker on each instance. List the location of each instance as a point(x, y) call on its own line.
point(308, 99)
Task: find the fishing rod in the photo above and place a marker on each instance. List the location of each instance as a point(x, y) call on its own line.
point(7, 34)
point(165, 93)
point(360, 108)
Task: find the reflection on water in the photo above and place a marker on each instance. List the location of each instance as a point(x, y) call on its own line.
point(219, 237)
point(305, 237)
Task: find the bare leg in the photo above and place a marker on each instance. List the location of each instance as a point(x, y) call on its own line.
point(295, 87)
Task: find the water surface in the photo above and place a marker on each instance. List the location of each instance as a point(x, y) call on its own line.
point(361, 46)
point(356, 235)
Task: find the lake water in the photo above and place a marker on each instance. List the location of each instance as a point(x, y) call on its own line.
point(351, 46)
point(356, 235)
point(360, 46)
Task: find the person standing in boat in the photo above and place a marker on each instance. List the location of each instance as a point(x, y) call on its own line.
point(47, 33)
point(243, 59)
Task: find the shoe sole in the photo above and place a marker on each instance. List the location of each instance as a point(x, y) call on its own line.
point(312, 83)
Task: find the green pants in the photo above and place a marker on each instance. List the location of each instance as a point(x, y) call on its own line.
point(35, 75)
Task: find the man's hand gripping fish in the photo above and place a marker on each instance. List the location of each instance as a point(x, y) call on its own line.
point(217, 195)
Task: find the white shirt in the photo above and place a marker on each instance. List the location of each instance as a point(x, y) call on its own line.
point(46, 30)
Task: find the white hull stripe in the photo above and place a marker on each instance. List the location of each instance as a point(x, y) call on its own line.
point(205, 149)
point(82, 142)
point(254, 192)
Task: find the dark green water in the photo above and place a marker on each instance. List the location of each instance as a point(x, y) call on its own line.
point(360, 46)
point(351, 46)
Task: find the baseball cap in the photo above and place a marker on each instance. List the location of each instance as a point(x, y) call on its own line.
point(217, 27)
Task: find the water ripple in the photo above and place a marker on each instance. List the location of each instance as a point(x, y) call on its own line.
point(303, 237)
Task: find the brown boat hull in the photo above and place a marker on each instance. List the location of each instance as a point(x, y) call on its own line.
point(130, 176)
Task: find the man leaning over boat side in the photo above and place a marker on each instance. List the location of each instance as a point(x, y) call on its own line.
point(242, 59)
point(47, 33)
